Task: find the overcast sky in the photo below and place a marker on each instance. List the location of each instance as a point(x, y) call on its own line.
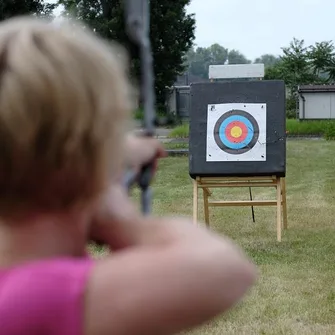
point(255, 27)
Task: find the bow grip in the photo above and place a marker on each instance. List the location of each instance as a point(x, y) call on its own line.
point(145, 176)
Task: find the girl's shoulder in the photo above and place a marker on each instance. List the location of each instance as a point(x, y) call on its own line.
point(44, 297)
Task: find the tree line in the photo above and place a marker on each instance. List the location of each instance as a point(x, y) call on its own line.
point(199, 59)
point(172, 36)
point(297, 65)
point(302, 65)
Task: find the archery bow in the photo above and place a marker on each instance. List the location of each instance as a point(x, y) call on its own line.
point(137, 16)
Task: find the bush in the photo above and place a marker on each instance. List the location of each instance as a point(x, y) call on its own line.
point(291, 103)
point(291, 114)
point(325, 128)
point(181, 131)
point(139, 114)
point(329, 133)
point(297, 127)
point(291, 108)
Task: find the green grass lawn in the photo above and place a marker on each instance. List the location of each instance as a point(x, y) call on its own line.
point(295, 292)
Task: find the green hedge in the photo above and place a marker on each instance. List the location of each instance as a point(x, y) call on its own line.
point(324, 128)
point(181, 131)
point(296, 127)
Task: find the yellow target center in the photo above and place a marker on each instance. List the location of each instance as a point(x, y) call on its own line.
point(236, 132)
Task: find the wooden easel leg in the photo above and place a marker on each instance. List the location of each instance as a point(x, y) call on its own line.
point(195, 201)
point(283, 185)
point(279, 207)
point(206, 193)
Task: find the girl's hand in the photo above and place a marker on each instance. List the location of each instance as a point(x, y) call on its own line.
point(142, 150)
point(116, 219)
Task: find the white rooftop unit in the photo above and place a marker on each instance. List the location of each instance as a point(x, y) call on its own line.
point(234, 71)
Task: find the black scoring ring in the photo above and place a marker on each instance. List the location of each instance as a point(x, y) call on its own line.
point(248, 146)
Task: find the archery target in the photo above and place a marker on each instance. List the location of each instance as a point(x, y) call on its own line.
point(236, 132)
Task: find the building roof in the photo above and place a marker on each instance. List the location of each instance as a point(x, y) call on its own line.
point(316, 88)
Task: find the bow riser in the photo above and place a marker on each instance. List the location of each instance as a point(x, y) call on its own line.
point(137, 16)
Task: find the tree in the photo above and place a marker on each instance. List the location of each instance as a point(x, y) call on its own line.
point(172, 34)
point(218, 54)
point(321, 57)
point(301, 65)
point(11, 8)
point(235, 57)
point(276, 71)
point(267, 59)
point(330, 70)
point(294, 66)
point(200, 59)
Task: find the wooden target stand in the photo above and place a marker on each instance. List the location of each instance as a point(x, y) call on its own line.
point(206, 183)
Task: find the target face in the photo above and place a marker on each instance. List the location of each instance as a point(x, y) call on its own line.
point(236, 132)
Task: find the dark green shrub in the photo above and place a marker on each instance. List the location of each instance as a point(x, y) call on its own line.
point(306, 127)
point(181, 131)
point(291, 108)
point(329, 133)
point(291, 114)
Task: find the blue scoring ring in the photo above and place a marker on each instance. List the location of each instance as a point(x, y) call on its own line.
point(236, 148)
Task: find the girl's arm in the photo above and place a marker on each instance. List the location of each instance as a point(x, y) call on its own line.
point(165, 275)
point(174, 276)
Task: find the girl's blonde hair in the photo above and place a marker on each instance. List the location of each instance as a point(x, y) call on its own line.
point(63, 98)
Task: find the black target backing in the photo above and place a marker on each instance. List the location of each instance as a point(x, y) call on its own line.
point(270, 92)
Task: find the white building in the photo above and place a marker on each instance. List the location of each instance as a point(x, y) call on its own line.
point(316, 102)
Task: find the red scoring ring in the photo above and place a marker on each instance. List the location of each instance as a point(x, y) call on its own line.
point(236, 124)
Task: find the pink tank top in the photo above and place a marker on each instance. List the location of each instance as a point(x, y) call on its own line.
point(44, 297)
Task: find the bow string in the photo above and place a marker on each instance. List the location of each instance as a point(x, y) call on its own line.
point(137, 17)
